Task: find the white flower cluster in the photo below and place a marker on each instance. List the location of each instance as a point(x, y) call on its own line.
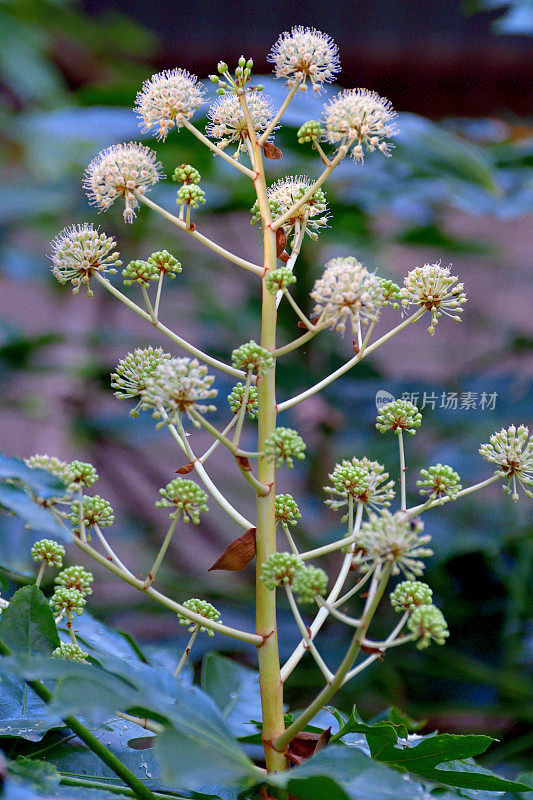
point(285, 192)
point(178, 386)
point(347, 291)
point(166, 99)
point(81, 250)
point(303, 54)
point(432, 287)
point(511, 449)
point(120, 171)
point(227, 122)
point(396, 539)
point(359, 118)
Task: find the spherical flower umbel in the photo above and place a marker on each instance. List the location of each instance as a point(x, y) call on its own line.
point(186, 497)
point(203, 608)
point(251, 357)
point(186, 173)
point(391, 293)
point(236, 399)
point(303, 54)
point(428, 624)
point(67, 601)
point(283, 446)
point(70, 652)
point(283, 194)
point(167, 99)
point(60, 469)
point(399, 416)
point(133, 371)
point(310, 131)
point(408, 595)
point(280, 569)
point(286, 509)
point(440, 481)
point(363, 480)
point(431, 287)
point(227, 122)
point(190, 195)
point(121, 171)
point(347, 291)
point(358, 119)
point(75, 578)
point(278, 279)
point(395, 539)
point(179, 386)
point(140, 272)
point(80, 251)
point(164, 263)
point(94, 511)
point(308, 583)
point(511, 449)
point(82, 474)
point(48, 551)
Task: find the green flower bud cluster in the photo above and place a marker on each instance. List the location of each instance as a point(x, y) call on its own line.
point(75, 578)
point(280, 569)
point(70, 652)
point(185, 173)
point(511, 449)
point(227, 83)
point(287, 511)
point(278, 279)
point(427, 623)
point(139, 271)
point(94, 511)
point(82, 474)
point(203, 608)
point(308, 583)
point(440, 481)
point(398, 416)
point(408, 595)
point(310, 131)
point(48, 551)
point(191, 195)
point(133, 372)
point(251, 357)
point(68, 601)
point(236, 398)
point(363, 480)
point(283, 446)
point(391, 293)
point(186, 497)
point(165, 263)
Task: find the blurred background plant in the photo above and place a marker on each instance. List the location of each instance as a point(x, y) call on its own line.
point(459, 188)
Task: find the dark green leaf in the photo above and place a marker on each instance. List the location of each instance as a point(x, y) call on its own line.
point(381, 733)
point(235, 691)
point(22, 713)
point(27, 625)
point(43, 775)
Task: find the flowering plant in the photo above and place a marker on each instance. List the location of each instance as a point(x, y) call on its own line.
point(380, 539)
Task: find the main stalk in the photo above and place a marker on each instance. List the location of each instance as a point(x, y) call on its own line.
point(269, 670)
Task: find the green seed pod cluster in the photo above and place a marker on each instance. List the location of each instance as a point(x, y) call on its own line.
point(186, 497)
point(440, 481)
point(280, 569)
point(310, 131)
point(68, 601)
point(278, 279)
point(283, 446)
point(165, 263)
point(391, 293)
point(428, 624)
point(186, 173)
point(191, 195)
point(48, 551)
point(203, 608)
point(229, 84)
point(408, 595)
point(75, 578)
point(308, 583)
point(399, 415)
point(95, 511)
point(140, 272)
point(251, 357)
point(235, 400)
point(287, 511)
point(70, 652)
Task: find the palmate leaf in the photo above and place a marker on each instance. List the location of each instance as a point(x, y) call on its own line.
point(443, 758)
point(27, 625)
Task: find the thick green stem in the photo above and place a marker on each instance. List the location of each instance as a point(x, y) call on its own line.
point(120, 769)
point(332, 688)
point(269, 669)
